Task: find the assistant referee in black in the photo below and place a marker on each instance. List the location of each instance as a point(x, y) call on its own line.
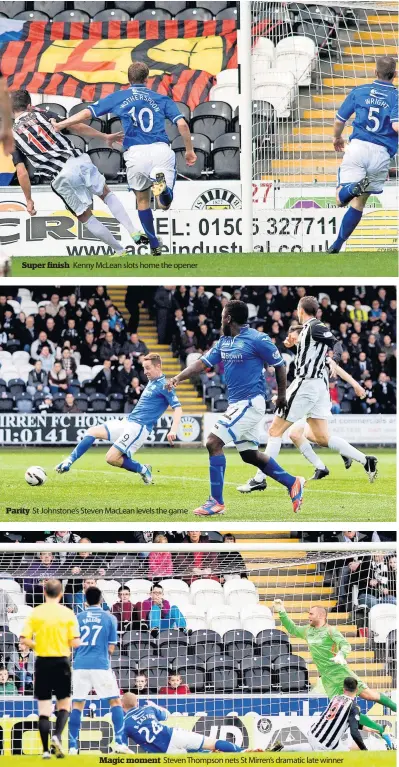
point(51, 630)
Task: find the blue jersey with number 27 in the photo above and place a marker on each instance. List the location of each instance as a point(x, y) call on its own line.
point(244, 357)
point(142, 113)
point(375, 107)
point(98, 629)
point(144, 726)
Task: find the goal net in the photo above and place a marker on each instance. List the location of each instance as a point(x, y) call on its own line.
point(206, 643)
point(306, 57)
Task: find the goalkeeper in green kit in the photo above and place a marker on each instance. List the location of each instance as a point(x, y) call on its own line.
point(329, 648)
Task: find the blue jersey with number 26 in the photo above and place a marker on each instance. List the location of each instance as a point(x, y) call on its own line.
point(142, 113)
point(144, 726)
point(98, 629)
point(376, 107)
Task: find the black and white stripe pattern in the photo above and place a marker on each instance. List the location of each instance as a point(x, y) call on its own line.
point(333, 722)
point(310, 360)
point(37, 140)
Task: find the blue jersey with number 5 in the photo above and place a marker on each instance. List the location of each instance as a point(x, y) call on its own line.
point(144, 726)
point(142, 113)
point(98, 629)
point(375, 107)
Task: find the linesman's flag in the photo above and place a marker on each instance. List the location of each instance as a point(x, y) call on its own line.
point(89, 61)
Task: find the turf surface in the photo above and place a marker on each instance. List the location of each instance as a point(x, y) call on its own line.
point(94, 491)
point(243, 265)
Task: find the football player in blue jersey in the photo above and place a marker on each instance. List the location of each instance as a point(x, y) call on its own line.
point(372, 144)
point(146, 726)
point(92, 669)
point(150, 161)
point(244, 353)
point(130, 433)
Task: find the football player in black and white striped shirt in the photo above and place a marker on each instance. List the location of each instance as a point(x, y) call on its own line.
point(71, 173)
point(308, 398)
point(341, 714)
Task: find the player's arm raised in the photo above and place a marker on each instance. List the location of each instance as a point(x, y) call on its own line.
point(197, 367)
point(185, 133)
point(292, 628)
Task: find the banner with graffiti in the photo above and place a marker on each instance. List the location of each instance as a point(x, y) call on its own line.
point(90, 60)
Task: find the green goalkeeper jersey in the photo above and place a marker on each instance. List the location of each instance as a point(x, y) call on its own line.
point(324, 643)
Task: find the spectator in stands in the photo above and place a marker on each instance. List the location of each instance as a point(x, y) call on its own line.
point(40, 320)
point(115, 318)
point(352, 571)
point(188, 344)
point(7, 606)
point(21, 666)
point(157, 614)
point(334, 397)
point(204, 338)
point(105, 380)
point(125, 375)
point(369, 404)
point(140, 684)
point(47, 359)
point(79, 597)
point(70, 405)
point(160, 564)
point(215, 307)
point(123, 609)
point(163, 301)
point(197, 565)
point(109, 348)
point(231, 563)
point(62, 536)
point(385, 394)
point(37, 380)
point(134, 393)
point(381, 585)
point(35, 576)
point(68, 363)
point(201, 301)
point(134, 347)
point(89, 350)
point(175, 686)
point(58, 379)
point(52, 331)
point(44, 405)
point(53, 307)
point(7, 686)
point(4, 306)
point(133, 300)
point(37, 345)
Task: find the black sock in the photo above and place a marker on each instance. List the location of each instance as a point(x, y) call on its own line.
point(44, 730)
point(60, 722)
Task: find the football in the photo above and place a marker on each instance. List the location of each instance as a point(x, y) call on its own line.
point(35, 475)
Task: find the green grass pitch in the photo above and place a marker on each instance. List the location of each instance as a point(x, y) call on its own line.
point(92, 489)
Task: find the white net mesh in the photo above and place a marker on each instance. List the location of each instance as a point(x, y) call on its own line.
point(218, 640)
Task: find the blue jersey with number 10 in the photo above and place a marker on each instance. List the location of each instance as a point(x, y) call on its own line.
point(98, 629)
point(376, 107)
point(142, 113)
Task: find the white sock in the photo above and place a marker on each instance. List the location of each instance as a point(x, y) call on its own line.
point(344, 448)
point(310, 455)
point(102, 233)
point(119, 212)
point(272, 450)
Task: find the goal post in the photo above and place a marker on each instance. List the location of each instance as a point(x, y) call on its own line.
point(216, 637)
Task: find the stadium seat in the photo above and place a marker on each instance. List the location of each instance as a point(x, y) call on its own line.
point(237, 641)
point(96, 6)
point(20, 358)
point(195, 618)
point(153, 14)
point(32, 16)
point(205, 592)
point(8, 642)
point(222, 674)
point(192, 671)
point(294, 56)
point(58, 402)
point(184, 109)
point(72, 16)
point(382, 619)
point(98, 402)
point(223, 618)
point(279, 89)
point(24, 293)
point(157, 672)
point(171, 130)
point(109, 589)
point(114, 125)
point(108, 161)
point(214, 6)
point(174, 587)
point(252, 312)
point(3, 386)
point(112, 14)
point(10, 586)
point(273, 638)
point(211, 119)
point(226, 156)
point(78, 141)
point(98, 123)
point(5, 355)
point(239, 591)
point(135, 640)
point(173, 7)
point(11, 9)
point(212, 391)
point(24, 403)
point(131, 6)
point(220, 405)
point(255, 610)
point(205, 642)
point(116, 402)
point(292, 673)
point(16, 386)
point(84, 373)
point(140, 589)
point(29, 307)
point(227, 77)
point(257, 623)
point(123, 661)
point(52, 106)
point(171, 641)
point(257, 674)
point(202, 148)
point(194, 14)
point(51, 7)
point(262, 52)
point(225, 92)
point(6, 404)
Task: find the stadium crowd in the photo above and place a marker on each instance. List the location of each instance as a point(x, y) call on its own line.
point(61, 331)
point(161, 646)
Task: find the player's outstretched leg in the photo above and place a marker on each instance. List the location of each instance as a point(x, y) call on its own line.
point(217, 467)
point(147, 220)
point(100, 231)
point(121, 461)
point(88, 440)
point(268, 466)
point(349, 222)
point(344, 448)
point(297, 436)
point(121, 215)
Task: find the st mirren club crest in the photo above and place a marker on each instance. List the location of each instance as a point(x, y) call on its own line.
point(217, 199)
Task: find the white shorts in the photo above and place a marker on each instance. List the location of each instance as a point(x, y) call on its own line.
point(145, 161)
point(183, 741)
point(102, 681)
point(316, 746)
point(307, 398)
point(77, 183)
point(240, 423)
point(115, 427)
point(362, 158)
point(131, 438)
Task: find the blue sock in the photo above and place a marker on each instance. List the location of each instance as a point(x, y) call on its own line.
point(275, 471)
point(147, 220)
point(217, 467)
point(131, 465)
point(349, 223)
point(74, 727)
point(345, 194)
point(166, 197)
point(225, 745)
point(82, 447)
point(118, 722)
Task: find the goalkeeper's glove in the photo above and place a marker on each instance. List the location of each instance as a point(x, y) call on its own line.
point(340, 659)
point(278, 605)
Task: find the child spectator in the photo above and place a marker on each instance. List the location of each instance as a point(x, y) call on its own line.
point(7, 687)
point(123, 610)
point(175, 686)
